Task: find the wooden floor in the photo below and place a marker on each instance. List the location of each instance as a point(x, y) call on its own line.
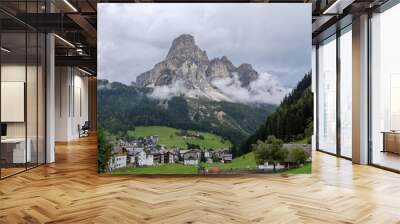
point(70, 191)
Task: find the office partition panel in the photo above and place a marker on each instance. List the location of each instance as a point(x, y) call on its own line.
point(15, 149)
point(23, 90)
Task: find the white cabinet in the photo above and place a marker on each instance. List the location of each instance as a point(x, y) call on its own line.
point(19, 155)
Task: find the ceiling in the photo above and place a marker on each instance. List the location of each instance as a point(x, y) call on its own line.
point(75, 21)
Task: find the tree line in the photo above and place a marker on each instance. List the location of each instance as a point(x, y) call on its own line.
point(292, 121)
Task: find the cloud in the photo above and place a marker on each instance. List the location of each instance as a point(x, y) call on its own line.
point(270, 37)
point(168, 91)
point(265, 89)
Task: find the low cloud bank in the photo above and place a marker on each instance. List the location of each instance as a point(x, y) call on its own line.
point(266, 89)
point(168, 91)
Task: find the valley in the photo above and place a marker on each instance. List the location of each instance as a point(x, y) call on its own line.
point(124, 107)
point(193, 115)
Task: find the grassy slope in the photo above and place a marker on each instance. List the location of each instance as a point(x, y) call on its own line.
point(306, 169)
point(162, 169)
point(243, 162)
point(170, 139)
point(302, 141)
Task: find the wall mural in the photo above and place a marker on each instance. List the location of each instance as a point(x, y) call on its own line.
point(204, 88)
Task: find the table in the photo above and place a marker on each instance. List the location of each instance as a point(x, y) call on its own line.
point(391, 141)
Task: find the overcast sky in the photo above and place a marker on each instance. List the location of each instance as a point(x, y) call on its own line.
point(274, 38)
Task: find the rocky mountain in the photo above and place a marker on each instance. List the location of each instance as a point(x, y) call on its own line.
point(187, 66)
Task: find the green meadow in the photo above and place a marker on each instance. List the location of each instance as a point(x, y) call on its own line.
point(161, 169)
point(169, 138)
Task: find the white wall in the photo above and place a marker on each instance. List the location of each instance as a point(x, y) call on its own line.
point(10, 73)
point(33, 126)
point(71, 102)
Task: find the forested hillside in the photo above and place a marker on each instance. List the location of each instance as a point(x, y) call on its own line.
point(122, 108)
point(293, 119)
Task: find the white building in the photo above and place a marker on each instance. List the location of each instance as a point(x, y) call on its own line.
point(117, 162)
point(130, 160)
point(191, 162)
point(142, 158)
point(149, 160)
point(268, 166)
point(227, 158)
point(191, 157)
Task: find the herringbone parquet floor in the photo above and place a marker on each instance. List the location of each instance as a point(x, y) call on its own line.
point(70, 191)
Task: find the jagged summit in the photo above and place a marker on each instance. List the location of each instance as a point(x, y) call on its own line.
point(184, 48)
point(188, 65)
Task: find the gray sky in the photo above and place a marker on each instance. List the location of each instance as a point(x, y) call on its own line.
point(274, 38)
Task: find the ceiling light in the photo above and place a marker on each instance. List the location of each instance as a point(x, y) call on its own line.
point(65, 41)
point(338, 6)
point(70, 5)
point(330, 7)
point(84, 71)
point(5, 50)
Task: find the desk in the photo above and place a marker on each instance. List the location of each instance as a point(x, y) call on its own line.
point(13, 150)
point(391, 141)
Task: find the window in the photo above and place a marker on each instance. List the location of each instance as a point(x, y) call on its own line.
point(327, 95)
point(385, 89)
point(346, 93)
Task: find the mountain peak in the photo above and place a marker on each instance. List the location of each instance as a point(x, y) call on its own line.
point(187, 67)
point(246, 74)
point(245, 66)
point(184, 48)
point(185, 38)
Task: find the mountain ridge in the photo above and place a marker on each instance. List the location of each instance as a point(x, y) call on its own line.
point(188, 67)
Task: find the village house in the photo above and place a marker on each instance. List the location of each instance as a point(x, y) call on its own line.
point(143, 157)
point(208, 156)
point(118, 159)
point(164, 156)
point(145, 151)
point(191, 157)
point(218, 154)
point(227, 158)
point(130, 160)
point(168, 155)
